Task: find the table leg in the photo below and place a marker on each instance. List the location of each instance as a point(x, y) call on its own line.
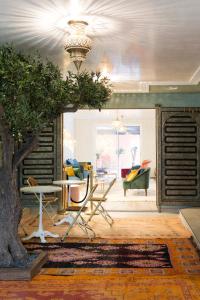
point(40, 227)
point(40, 233)
point(69, 196)
point(68, 219)
point(63, 200)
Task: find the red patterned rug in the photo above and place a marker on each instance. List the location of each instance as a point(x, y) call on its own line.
point(104, 255)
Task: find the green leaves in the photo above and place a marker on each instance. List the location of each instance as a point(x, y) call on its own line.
point(90, 89)
point(33, 93)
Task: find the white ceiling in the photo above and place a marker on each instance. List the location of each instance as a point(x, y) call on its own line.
point(138, 42)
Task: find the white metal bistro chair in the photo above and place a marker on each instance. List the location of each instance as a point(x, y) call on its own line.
point(76, 217)
point(97, 206)
point(46, 202)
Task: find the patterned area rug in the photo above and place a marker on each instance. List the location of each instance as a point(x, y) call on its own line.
point(183, 256)
point(104, 255)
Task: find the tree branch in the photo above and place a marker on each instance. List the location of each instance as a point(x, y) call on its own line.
point(24, 150)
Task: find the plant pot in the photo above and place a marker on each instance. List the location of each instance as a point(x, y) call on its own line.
point(24, 273)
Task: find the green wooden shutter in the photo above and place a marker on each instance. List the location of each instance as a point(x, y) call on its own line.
point(178, 157)
point(44, 163)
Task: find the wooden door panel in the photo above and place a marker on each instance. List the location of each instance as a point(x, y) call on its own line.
point(178, 156)
point(44, 163)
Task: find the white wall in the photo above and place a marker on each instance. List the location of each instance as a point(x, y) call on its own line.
point(85, 134)
point(84, 131)
point(68, 136)
point(148, 140)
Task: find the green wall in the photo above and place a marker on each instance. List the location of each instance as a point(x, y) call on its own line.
point(152, 100)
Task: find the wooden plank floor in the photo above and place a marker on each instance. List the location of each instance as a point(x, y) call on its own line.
point(126, 225)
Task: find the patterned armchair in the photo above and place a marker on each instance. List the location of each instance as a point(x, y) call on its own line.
point(141, 181)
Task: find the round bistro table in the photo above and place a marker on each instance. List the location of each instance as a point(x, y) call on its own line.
point(40, 189)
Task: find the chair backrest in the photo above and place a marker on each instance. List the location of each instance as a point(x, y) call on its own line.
point(32, 181)
point(143, 178)
point(109, 187)
point(145, 172)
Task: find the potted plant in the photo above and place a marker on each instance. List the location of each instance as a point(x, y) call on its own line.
point(32, 94)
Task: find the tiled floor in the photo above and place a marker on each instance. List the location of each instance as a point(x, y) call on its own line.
point(135, 200)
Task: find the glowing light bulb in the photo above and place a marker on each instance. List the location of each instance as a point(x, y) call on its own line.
point(75, 9)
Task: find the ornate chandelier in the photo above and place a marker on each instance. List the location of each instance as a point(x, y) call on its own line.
point(78, 44)
point(118, 125)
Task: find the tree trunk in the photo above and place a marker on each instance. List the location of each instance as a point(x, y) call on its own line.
point(12, 252)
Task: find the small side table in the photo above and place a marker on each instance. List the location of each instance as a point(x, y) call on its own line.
point(64, 184)
point(40, 189)
point(75, 193)
point(68, 218)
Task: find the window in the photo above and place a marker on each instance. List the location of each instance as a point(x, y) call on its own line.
point(115, 149)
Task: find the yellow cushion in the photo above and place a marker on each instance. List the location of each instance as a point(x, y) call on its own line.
point(69, 171)
point(131, 175)
point(86, 167)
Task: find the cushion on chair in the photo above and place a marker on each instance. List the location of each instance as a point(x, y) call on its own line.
point(69, 171)
point(125, 172)
point(78, 173)
point(135, 167)
point(145, 163)
point(141, 171)
point(87, 167)
point(69, 161)
point(81, 169)
point(75, 163)
point(131, 175)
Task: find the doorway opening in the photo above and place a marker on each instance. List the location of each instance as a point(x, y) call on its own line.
point(117, 148)
point(114, 141)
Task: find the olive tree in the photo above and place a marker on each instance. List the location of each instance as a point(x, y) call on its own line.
point(32, 94)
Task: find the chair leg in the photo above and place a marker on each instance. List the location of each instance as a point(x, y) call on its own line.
point(44, 208)
point(105, 215)
point(52, 211)
point(82, 224)
point(145, 192)
point(99, 208)
point(93, 212)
